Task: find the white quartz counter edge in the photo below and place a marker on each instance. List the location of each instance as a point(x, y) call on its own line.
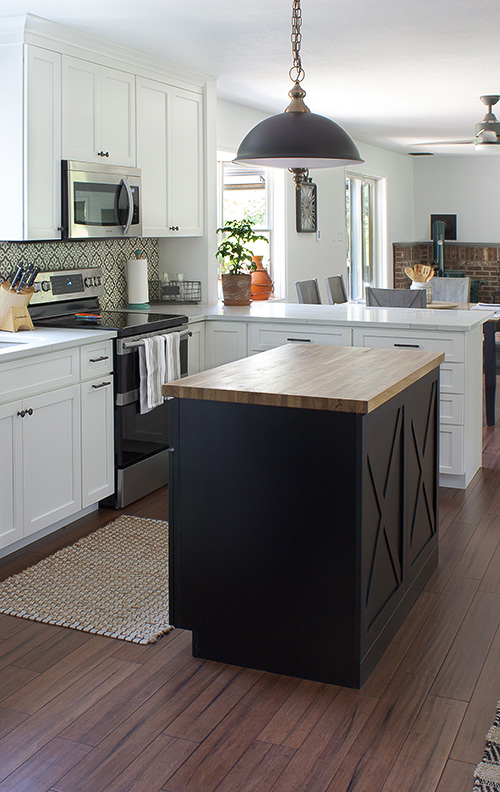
point(347, 314)
point(26, 343)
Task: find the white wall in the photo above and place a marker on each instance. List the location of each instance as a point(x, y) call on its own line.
point(311, 255)
point(467, 186)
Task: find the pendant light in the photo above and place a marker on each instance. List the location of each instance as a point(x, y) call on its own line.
point(297, 139)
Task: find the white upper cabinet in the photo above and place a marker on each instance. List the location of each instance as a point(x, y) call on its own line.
point(30, 134)
point(98, 113)
point(170, 156)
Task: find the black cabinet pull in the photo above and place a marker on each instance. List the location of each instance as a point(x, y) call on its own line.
point(103, 153)
point(29, 411)
point(409, 346)
point(98, 360)
point(102, 385)
point(21, 413)
point(304, 340)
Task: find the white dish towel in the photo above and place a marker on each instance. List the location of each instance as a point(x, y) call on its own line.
point(159, 362)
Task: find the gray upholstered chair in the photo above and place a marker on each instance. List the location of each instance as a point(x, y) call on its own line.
point(451, 289)
point(335, 289)
point(396, 298)
point(308, 291)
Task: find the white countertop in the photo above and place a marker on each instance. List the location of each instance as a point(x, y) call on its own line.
point(26, 343)
point(343, 314)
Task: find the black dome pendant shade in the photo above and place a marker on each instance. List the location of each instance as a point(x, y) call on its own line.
point(297, 139)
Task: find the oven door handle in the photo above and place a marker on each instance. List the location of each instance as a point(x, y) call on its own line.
point(130, 197)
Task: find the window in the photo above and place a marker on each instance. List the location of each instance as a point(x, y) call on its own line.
point(245, 194)
point(364, 216)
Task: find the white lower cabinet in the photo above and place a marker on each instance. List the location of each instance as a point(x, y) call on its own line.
point(51, 449)
point(225, 342)
point(56, 439)
point(97, 440)
point(196, 348)
point(460, 393)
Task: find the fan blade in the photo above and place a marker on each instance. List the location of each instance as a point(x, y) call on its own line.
point(446, 143)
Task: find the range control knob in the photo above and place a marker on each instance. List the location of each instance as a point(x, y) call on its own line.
point(87, 282)
point(97, 280)
point(45, 285)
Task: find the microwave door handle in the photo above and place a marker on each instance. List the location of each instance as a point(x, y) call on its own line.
point(128, 190)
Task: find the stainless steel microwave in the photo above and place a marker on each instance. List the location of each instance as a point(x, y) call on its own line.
point(100, 201)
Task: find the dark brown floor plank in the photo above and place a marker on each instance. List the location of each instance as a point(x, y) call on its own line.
point(491, 579)
point(119, 703)
point(60, 645)
point(147, 772)
point(9, 719)
point(225, 745)
point(470, 739)
point(477, 555)
point(457, 777)
point(63, 674)
point(21, 642)
point(12, 679)
point(315, 763)
point(299, 714)
point(451, 548)
point(433, 641)
point(424, 754)
point(373, 753)
point(114, 753)
point(36, 731)
point(9, 625)
point(45, 768)
point(257, 769)
point(460, 671)
point(226, 686)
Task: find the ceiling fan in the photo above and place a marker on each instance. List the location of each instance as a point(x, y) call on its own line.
point(487, 131)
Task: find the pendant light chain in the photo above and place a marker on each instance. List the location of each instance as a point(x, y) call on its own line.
point(296, 73)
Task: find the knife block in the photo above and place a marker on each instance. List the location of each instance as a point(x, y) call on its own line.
point(14, 313)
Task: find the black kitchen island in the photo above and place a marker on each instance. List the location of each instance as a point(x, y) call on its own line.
point(303, 506)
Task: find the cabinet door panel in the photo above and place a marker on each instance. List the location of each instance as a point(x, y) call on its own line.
point(153, 107)
point(97, 440)
point(225, 342)
point(118, 116)
point(81, 102)
point(11, 516)
point(43, 136)
point(52, 458)
point(186, 163)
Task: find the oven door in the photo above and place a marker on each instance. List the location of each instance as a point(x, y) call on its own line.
point(137, 435)
point(100, 202)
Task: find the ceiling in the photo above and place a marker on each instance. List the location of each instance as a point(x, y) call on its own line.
point(394, 73)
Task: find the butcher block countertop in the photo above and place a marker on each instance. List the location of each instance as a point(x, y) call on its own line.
point(315, 377)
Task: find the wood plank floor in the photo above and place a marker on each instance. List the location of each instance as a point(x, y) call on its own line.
point(81, 712)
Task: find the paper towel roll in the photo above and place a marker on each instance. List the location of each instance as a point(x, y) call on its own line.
point(137, 281)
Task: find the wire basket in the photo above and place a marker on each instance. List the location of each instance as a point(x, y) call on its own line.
point(176, 291)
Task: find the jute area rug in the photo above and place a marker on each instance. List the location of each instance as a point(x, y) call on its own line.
point(487, 773)
point(113, 582)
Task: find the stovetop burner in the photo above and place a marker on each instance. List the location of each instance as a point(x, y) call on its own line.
point(125, 323)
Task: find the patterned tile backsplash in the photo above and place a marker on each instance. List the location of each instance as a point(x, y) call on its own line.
point(110, 254)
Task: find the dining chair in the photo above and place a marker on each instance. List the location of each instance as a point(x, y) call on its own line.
point(308, 291)
point(335, 289)
point(396, 298)
point(451, 289)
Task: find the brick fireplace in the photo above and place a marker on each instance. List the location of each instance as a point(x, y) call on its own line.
point(481, 262)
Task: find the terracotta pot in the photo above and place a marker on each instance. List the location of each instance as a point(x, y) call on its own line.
point(236, 289)
point(262, 285)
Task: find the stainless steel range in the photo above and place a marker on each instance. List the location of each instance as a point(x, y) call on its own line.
point(70, 298)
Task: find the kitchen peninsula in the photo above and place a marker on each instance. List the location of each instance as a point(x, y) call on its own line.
point(222, 334)
point(303, 506)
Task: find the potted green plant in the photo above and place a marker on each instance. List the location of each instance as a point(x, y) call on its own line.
point(236, 260)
